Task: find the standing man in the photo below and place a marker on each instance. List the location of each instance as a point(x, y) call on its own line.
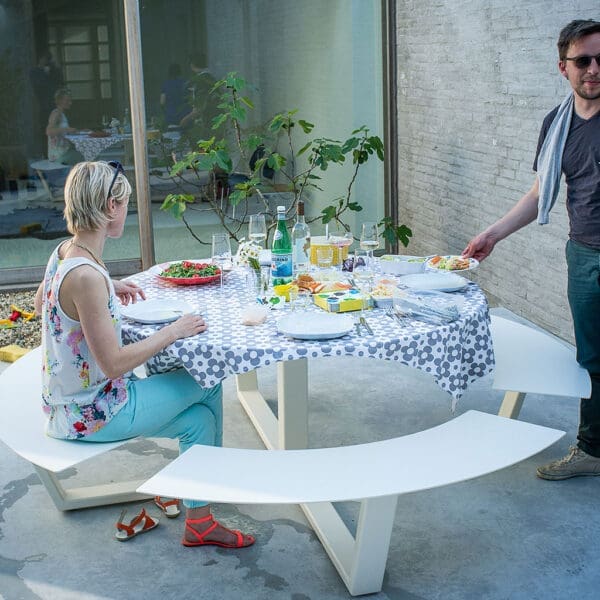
point(570, 142)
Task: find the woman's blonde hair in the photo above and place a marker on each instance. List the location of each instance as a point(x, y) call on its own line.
point(86, 195)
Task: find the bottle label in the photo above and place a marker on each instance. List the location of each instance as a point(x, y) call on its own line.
point(277, 235)
point(281, 268)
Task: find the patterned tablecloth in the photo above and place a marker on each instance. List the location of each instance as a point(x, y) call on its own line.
point(91, 147)
point(455, 354)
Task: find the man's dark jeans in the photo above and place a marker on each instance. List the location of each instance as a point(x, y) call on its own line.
point(584, 299)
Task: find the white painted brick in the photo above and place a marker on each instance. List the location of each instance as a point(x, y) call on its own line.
point(468, 126)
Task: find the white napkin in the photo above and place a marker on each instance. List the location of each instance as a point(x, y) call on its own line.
point(254, 314)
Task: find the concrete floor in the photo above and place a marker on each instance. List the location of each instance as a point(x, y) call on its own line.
point(508, 535)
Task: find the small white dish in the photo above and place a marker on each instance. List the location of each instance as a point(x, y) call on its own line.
point(315, 326)
point(442, 282)
point(398, 264)
point(156, 311)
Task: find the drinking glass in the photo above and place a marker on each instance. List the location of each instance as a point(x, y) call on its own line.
point(362, 274)
point(324, 257)
point(105, 122)
point(221, 251)
point(369, 238)
point(257, 229)
point(340, 239)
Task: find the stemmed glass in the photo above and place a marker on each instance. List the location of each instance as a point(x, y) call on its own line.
point(105, 122)
point(257, 229)
point(221, 251)
point(362, 274)
point(369, 238)
point(340, 239)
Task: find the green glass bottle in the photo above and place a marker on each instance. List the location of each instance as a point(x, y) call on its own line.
point(281, 251)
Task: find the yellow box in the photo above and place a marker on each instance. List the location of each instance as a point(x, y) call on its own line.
point(319, 241)
point(12, 352)
point(342, 301)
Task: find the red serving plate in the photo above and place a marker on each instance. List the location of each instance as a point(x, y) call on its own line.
point(196, 280)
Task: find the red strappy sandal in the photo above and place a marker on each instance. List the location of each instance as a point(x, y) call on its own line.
point(139, 524)
point(170, 507)
point(200, 536)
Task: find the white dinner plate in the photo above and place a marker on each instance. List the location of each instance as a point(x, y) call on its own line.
point(156, 310)
point(473, 264)
point(315, 326)
point(441, 282)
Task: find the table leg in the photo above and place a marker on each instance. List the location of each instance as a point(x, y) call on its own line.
point(360, 560)
point(290, 429)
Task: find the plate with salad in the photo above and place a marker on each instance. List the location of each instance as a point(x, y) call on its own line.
point(187, 272)
point(451, 262)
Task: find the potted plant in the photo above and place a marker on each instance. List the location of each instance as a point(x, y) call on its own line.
point(243, 163)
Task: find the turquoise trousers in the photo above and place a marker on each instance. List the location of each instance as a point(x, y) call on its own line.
point(170, 405)
point(584, 300)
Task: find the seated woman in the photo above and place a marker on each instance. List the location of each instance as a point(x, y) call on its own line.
point(89, 392)
point(59, 148)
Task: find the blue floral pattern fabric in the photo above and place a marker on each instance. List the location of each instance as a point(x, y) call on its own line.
point(78, 397)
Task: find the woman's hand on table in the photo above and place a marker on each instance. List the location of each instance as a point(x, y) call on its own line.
point(187, 326)
point(128, 292)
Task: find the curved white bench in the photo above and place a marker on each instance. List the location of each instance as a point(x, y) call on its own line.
point(468, 446)
point(530, 361)
point(22, 429)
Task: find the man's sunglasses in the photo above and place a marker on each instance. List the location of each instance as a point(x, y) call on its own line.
point(118, 167)
point(583, 62)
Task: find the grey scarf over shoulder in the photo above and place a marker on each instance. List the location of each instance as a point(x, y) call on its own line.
point(550, 159)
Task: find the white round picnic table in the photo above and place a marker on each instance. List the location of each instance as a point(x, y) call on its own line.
point(454, 354)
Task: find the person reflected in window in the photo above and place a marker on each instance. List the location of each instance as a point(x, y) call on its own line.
point(59, 148)
point(172, 96)
point(197, 123)
point(45, 78)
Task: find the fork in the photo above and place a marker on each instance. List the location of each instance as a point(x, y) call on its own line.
point(390, 312)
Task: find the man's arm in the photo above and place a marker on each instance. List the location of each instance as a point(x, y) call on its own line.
point(521, 214)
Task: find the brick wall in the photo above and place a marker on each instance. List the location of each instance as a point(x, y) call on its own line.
point(475, 80)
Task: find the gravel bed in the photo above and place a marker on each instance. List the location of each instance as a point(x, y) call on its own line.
point(26, 334)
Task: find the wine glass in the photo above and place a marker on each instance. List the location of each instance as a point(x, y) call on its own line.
point(105, 122)
point(221, 252)
point(369, 238)
point(257, 229)
point(340, 239)
point(362, 274)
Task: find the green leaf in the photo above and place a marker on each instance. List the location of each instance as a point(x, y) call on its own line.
point(247, 101)
point(394, 233)
point(304, 148)
point(350, 144)
point(329, 213)
point(223, 160)
point(238, 113)
point(306, 126)
point(219, 120)
point(355, 206)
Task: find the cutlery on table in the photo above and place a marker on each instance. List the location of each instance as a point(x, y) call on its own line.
point(364, 323)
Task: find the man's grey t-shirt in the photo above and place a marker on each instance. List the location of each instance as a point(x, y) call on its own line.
point(581, 166)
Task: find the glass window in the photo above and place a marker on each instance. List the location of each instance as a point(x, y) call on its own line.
point(55, 46)
point(277, 47)
point(77, 53)
point(102, 32)
point(322, 59)
point(78, 73)
point(75, 35)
